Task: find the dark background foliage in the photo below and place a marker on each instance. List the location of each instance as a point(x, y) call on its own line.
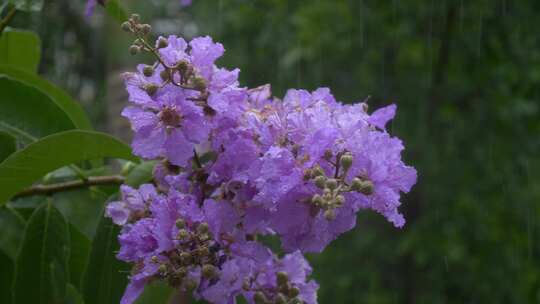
point(466, 78)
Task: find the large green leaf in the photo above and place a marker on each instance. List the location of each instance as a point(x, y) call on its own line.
point(141, 173)
point(27, 113)
point(115, 10)
point(6, 277)
point(70, 107)
point(8, 145)
point(106, 277)
point(25, 166)
point(21, 49)
point(79, 252)
point(41, 269)
point(12, 229)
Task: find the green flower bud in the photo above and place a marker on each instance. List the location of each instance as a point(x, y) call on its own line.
point(331, 183)
point(180, 224)
point(317, 200)
point(162, 43)
point(191, 285)
point(209, 271)
point(126, 26)
point(294, 292)
point(365, 187)
point(295, 301)
point(282, 278)
point(259, 298)
point(356, 184)
point(162, 268)
point(146, 29)
point(280, 299)
point(199, 84)
point(204, 251)
point(339, 200)
point(318, 171)
point(185, 256)
point(308, 174)
point(155, 259)
point(165, 76)
point(183, 234)
point(346, 161)
point(135, 17)
point(151, 88)
point(181, 272)
point(320, 181)
point(182, 66)
point(134, 50)
point(148, 71)
point(330, 215)
point(202, 228)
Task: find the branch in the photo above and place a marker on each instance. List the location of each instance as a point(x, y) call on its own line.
point(4, 22)
point(70, 185)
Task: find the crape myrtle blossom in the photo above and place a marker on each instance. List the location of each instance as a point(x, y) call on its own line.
point(236, 163)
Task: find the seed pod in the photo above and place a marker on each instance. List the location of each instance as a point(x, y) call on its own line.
point(146, 29)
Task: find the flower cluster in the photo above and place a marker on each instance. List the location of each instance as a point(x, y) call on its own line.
point(236, 163)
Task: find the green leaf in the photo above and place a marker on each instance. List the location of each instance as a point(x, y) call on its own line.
point(8, 145)
point(71, 107)
point(6, 277)
point(106, 277)
point(12, 227)
point(25, 166)
point(79, 252)
point(72, 295)
point(20, 49)
point(27, 113)
point(141, 173)
point(155, 293)
point(41, 269)
point(115, 10)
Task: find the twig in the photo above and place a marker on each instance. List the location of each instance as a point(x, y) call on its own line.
point(4, 22)
point(70, 185)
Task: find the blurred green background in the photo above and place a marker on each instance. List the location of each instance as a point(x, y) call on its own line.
point(465, 76)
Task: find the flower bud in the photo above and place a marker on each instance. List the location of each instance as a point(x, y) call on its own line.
point(134, 50)
point(151, 88)
point(146, 29)
point(199, 84)
point(164, 75)
point(339, 200)
point(154, 259)
point(317, 200)
point(330, 215)
point(191, 285)
point(183, 234)
point(259, 298)
point(135, 18)
point(202, 228)
point(148, 71)
point(294, 292)
point(246, 285)
point(308, 174)
point(208, 271)
point(346, 161)
point(162, 43)
point(126, 26)
point(365, 187)
point(280, 299)
point(162, 268)
point(331, 183)
point(320, 181)
point(282, 278)
point(182, 66)
point(180, 224)
point(356, 184)
point(295, 301)
point(185, 256)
